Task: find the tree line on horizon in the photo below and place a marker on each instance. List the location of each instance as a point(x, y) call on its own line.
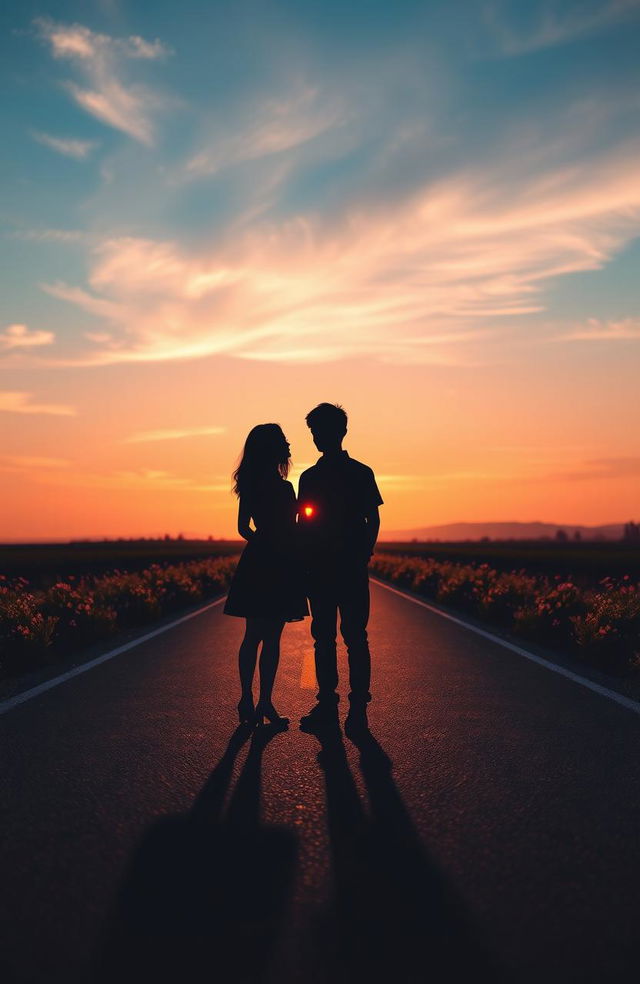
point(630, 534)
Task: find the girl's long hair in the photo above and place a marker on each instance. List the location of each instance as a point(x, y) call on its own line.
point(264, 454)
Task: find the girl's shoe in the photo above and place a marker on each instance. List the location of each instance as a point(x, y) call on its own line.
point(265, 709)
point(246, 710)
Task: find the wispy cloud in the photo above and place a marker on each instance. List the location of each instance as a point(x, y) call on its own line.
point(83, 299)
point(118, 107)
point(14, 401)
point(270, 127)
point(173, 434)
point(600, 468)
point(80, 150)
point(31, 463)
point(142, 480)
point(400, 483)
point(555, 23)
point(78, 42)
point(19, 336)
point(597, 330)
point(422, 279)
point(100, 60)
point(50, 235)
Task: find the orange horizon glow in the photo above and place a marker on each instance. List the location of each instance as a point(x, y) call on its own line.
point(442, 452)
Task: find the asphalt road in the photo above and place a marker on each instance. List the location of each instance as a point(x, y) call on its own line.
point(486, 829)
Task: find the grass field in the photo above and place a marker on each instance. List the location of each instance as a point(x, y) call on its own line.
point(44, 563)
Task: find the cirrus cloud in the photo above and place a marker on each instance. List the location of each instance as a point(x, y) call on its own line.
point(418, 280)
point(557, 23)
point(75, 41)
point(104, 92)
point(18, 336)
point(273, 127)
point(597, 330)
point(137, 480)
point(17, 401)
point(80, 150)
point(172, 434)
point(21, 462)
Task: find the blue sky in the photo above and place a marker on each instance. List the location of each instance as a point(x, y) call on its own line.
point(204, 125)
point(446, 185)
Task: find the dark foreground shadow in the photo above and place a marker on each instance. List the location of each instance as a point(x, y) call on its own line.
point(394, 917)
point(205, 895)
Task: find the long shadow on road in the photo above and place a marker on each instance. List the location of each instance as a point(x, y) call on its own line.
point(393, 917)
point(205, 895)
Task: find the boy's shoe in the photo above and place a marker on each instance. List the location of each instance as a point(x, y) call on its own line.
point(356, 722)
point(323, 715)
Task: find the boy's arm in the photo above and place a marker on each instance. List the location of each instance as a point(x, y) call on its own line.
point(373, 528)
point(372, 512)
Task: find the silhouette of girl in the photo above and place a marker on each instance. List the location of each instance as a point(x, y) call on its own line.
point(265, 589)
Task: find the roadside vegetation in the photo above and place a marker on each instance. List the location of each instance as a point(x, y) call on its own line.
point(599, 623)
point(580, 599)
point(41, 625)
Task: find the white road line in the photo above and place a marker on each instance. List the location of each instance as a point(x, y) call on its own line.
point(631, 705)
point(26, 695)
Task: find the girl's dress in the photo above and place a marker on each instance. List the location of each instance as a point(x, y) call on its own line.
point(268, 580)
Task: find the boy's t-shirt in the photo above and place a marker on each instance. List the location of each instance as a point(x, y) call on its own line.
point(334, 497)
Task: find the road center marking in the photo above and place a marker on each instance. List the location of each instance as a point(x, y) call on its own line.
point(308, 672)
point(631, 705)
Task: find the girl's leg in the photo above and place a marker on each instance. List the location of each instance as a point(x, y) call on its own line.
point(248, 655)
point(269, 659)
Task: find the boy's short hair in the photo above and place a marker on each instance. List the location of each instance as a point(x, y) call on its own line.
point(328, 417)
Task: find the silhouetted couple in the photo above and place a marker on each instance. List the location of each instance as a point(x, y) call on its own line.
point(317, 547)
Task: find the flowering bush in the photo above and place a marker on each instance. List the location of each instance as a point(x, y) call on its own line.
point(504, 593)
point(609, 632)
point(25, 632)
point(600, 625)
point(127, 593)
point(40, 626)
point(78, 614)
point(547, 616)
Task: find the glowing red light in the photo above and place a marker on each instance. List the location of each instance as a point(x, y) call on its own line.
point(308, 511)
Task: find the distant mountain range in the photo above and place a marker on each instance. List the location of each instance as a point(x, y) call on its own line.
point(503, 531)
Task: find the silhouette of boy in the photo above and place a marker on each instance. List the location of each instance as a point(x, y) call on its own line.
point(338, 518)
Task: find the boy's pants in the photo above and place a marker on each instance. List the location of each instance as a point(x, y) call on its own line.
point(343, 590)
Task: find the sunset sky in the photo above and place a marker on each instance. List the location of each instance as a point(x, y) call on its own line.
point(217, 214)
